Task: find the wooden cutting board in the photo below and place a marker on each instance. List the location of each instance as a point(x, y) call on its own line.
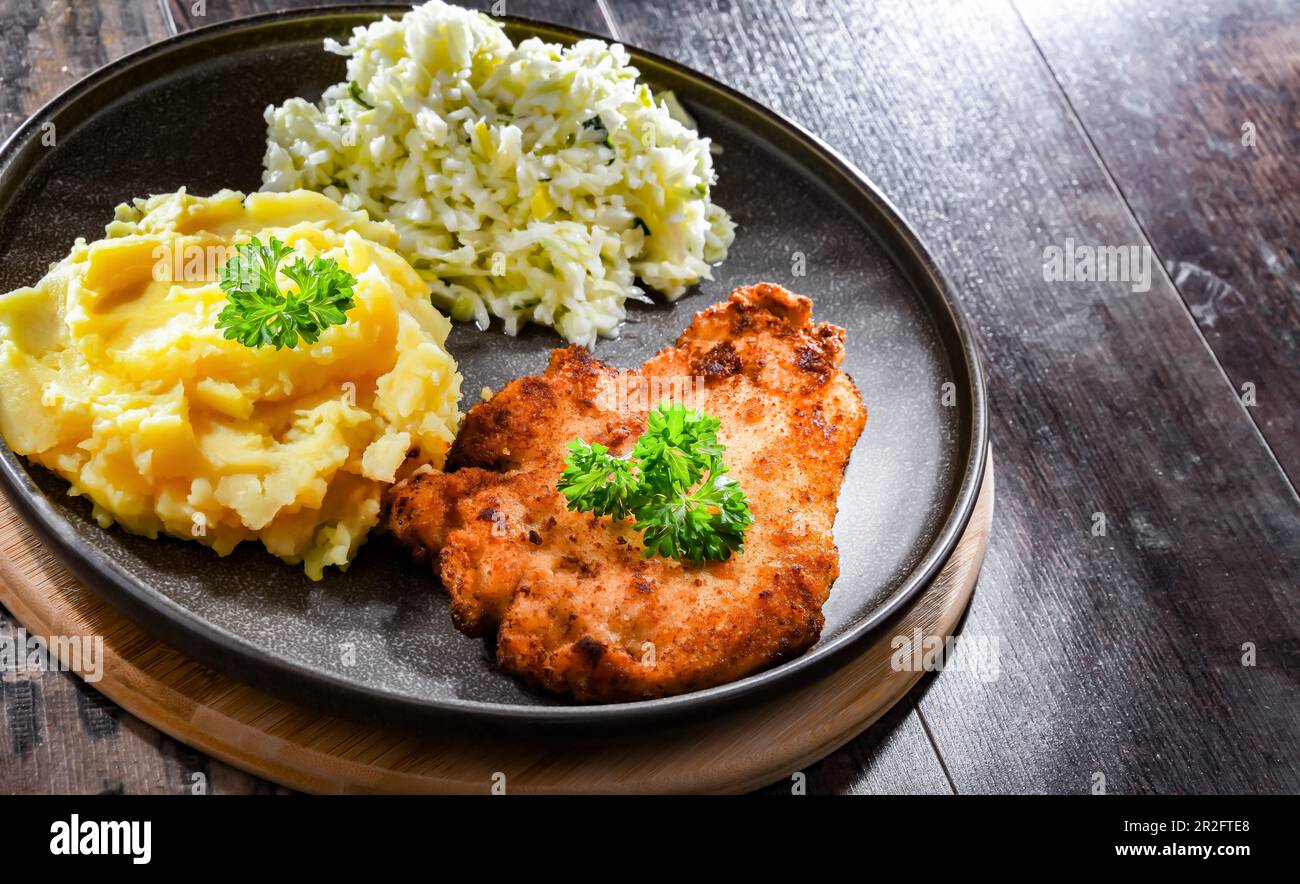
point(305, 748)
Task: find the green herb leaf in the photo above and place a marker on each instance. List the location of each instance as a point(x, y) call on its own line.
point(678, 445)
point(706, 525)
point(599, 125)
point(596, 481)
point(679, 451)
point(259, 313)
point(354, 89)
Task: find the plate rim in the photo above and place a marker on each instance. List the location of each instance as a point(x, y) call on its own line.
point(221, 649)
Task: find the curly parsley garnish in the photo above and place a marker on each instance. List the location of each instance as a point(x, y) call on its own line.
point(673, 483)
point(259, 313)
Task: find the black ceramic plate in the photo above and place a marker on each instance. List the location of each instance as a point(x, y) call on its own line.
point(187, 112)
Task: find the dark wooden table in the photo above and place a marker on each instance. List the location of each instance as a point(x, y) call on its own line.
point(1160, 656)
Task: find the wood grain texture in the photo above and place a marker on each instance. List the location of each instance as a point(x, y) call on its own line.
point(46, 45)
point(732, 751)
point(1194, 107)
point(883, 760)
point(63, 736)
point(1121, 654)
point(583, 14)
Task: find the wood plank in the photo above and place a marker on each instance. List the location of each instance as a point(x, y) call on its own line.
point(582, 14)
point(1192, 105)
point(62, 736)
point(46, 45)
point(1119, 654)
point(892, 757)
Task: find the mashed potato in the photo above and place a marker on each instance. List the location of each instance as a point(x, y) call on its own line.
point(114, 375)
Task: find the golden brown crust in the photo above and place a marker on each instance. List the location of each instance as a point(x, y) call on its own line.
point(575, 607)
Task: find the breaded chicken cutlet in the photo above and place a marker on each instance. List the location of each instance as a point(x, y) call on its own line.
point(574, 606)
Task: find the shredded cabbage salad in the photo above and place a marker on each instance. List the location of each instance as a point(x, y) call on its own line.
point(535, 182)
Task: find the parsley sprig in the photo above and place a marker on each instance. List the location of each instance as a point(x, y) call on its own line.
point(259, 313)
point(673, 483)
